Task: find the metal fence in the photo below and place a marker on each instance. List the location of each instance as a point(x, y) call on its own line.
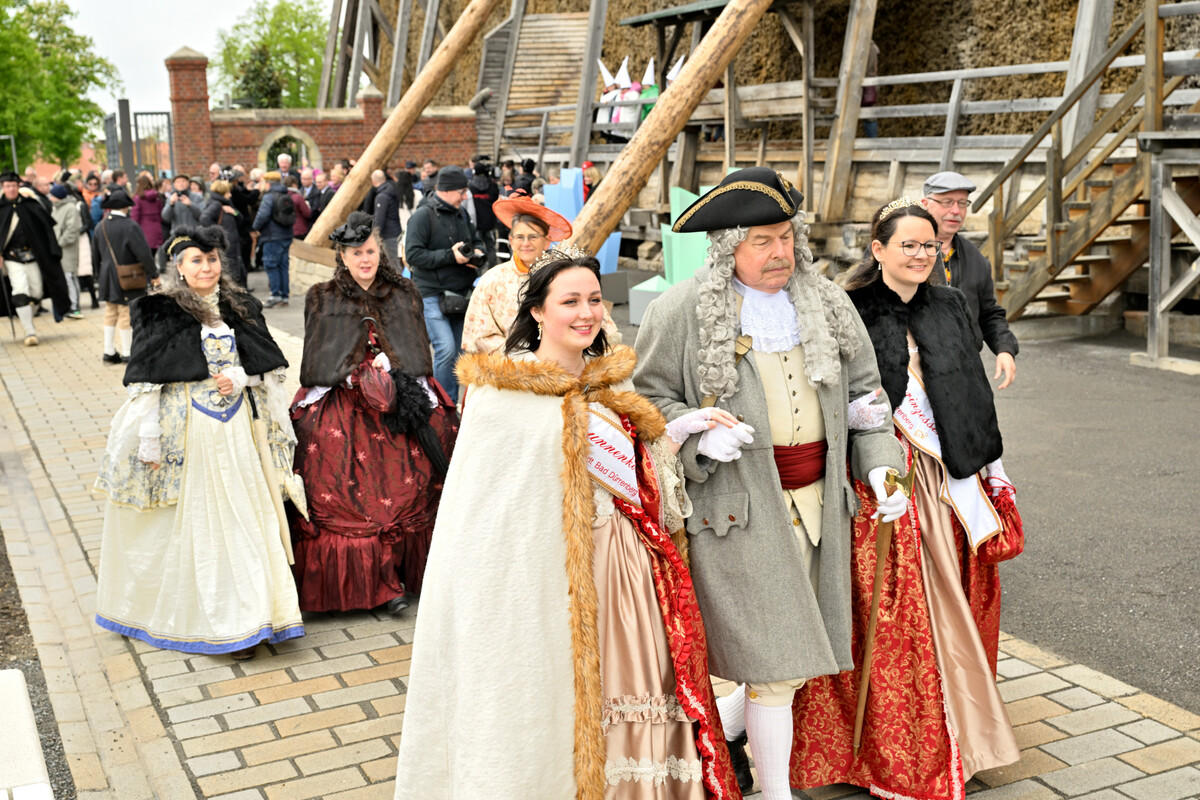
point(154, 144)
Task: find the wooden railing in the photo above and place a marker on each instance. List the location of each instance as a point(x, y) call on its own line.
point(1057, 184)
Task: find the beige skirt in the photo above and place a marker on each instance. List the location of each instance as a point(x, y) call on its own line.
point(651, 750)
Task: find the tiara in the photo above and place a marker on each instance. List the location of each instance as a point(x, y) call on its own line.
point(563, 252)
point(903, 202)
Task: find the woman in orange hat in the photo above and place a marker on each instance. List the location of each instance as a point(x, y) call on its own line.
point(494, 302)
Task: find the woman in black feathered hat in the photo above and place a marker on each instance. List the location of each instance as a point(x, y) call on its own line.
point(194, 555)
point(375, 431)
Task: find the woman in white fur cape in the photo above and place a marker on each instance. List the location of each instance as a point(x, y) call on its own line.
point(559, 651)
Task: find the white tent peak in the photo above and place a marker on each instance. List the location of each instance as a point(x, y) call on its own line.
point(623, 79)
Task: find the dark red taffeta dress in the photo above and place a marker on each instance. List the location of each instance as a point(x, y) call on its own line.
point(372, 495)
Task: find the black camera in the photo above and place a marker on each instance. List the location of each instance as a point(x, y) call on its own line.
point(472, 259)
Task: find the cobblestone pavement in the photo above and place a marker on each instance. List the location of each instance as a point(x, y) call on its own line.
point(321, 716)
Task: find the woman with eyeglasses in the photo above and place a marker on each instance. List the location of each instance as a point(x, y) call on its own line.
point(494, 302)
point(933, 714)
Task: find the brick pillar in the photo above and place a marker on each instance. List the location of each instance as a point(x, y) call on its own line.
point(189, 111)
point(371, 103)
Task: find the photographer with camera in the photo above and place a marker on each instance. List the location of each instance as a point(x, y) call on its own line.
point(444, 251)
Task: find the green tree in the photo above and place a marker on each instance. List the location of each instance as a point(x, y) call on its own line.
point(47, 70)
point(258, 80)
point(293, 32)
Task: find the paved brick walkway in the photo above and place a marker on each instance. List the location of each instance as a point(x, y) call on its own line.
point(321, 716)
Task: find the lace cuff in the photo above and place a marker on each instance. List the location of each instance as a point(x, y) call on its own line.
point(149, 450)
point(239, 378)
point(865, 414)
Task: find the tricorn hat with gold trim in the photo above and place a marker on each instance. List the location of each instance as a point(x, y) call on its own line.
point(751, 196)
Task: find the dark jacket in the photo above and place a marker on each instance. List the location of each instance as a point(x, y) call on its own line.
point(272, 231)
point(387, 211)
point(326, 197)
point(484, 192)
point(243, 200)
point(128, 245)
point(433, 228)
point(166, 342)
point(214, 213)
point(303, 215)
point(312, 196)
point(971, 274)
point(335, 340)
point(147, 212)
point(958, 388)
point(36, 230)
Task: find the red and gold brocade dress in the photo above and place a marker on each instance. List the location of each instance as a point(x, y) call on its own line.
point(934, 716)
point(373, 494)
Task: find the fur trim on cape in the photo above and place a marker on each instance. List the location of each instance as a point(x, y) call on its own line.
point(594, 385)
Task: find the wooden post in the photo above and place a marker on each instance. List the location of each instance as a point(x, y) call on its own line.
point(432, 8)
point(335, 19)
point(345, 54)
point(399, 52)
point(1053, 195)
point(1152, 74)
point(1157, 340)
point(840, 154)
point(356, 60)
point(731, 118)
point(996, 235)
point(896, 175)
point(1093, 20)
point(629, 172)
point(584, 113)
point(684, 173)
point(541, 156)
point(465, 30)
point(806, 111)
point(510, 63)
point(951, 126)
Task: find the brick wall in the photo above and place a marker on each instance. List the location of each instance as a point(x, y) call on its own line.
point(242, 136)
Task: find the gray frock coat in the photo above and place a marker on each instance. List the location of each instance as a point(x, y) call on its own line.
point(763, 620)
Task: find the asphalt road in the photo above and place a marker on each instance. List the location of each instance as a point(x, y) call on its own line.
point(1106, 460)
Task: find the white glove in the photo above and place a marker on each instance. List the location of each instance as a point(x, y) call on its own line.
point(865, 414)
point(725, 444)
point(891, 508)
point(680, 428)
point(381, 362)
point(433, 398)
point(149, 451)
point(996, 470)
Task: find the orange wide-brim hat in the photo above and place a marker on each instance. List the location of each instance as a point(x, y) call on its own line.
point(509, 207)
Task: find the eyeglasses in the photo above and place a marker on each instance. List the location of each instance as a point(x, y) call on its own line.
point(948, 204)
point(522, 238)
point(911, 248)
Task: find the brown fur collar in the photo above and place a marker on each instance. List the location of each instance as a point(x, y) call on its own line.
point(547, 378)
point(594, 385)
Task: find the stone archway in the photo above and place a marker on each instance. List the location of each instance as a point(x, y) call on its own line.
point(314, 152)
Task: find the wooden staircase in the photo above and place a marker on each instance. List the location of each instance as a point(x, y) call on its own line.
point(1097, 228)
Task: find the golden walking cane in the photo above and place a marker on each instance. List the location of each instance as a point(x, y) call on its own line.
point(883, 545)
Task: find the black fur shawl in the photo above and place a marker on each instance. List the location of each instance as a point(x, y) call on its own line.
point(166, 342)
point(335, 340)
point(955, 380)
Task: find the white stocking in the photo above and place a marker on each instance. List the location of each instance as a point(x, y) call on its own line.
point(25, 314)
point(110, 336)
point(732, 709)
point(769, 729)
point(126, 341)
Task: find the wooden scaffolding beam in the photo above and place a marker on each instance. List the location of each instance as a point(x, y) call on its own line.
point(855, 52)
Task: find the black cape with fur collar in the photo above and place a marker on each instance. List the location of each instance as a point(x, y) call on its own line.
point(166, 341)
point(335, 340)
point(955, 381)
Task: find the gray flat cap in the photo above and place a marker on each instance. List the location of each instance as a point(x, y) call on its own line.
point(948, 182)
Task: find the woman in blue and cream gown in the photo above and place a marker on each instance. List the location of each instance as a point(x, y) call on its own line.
point(192, 557)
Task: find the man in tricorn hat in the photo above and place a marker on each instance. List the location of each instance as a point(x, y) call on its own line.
point(771, 507)
point(32, 257)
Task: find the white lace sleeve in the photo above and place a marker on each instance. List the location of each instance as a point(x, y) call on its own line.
point(135, 420)
point(277, 400)
point(312, 395)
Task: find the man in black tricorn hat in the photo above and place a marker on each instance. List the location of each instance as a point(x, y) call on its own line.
point(770, 526)
point(32, 257)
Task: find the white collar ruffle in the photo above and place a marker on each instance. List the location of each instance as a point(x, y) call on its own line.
point(770, 319)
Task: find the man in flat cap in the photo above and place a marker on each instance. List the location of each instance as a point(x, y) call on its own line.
point(771, 505)
point(32, 257)
point(967, 270)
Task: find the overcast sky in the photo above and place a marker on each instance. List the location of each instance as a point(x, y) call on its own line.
point(138, 35)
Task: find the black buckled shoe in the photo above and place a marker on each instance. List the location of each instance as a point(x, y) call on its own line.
point(741, 763)
point(113, 358)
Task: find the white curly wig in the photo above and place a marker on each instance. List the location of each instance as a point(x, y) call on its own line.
point(827, 329)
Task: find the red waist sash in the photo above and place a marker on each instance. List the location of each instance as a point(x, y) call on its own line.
point(802, 464)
